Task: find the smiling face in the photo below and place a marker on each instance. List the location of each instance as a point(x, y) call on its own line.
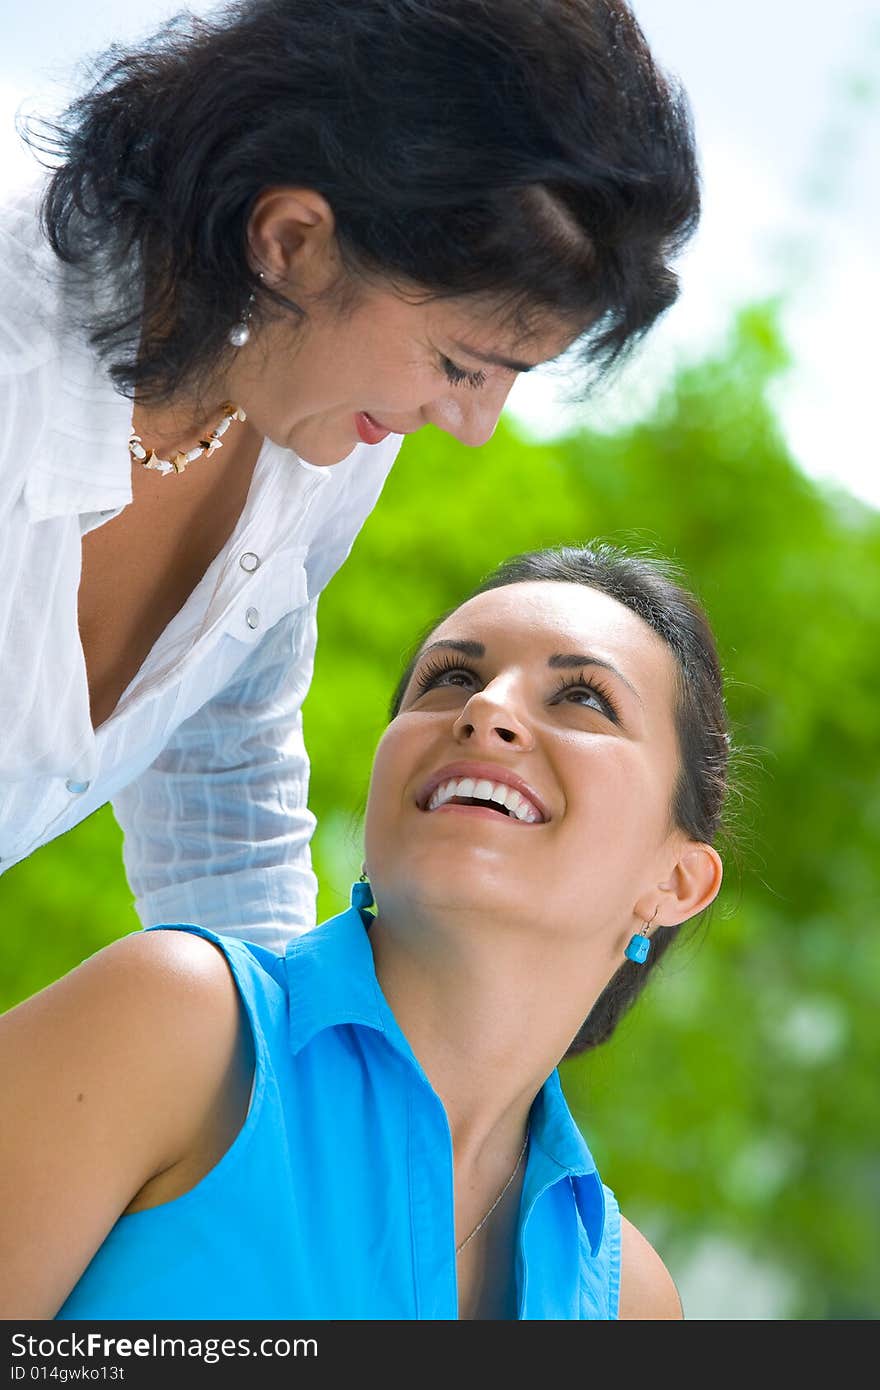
point(386, 366)
point(531, 768)
point(368, 360)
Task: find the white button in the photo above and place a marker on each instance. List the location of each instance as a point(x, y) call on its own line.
point(249, 561)
point(252, 618)
point(77, 788)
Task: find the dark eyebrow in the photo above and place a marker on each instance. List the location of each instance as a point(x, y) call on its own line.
point(474, 649)
point(494, 359)
point(568, 660)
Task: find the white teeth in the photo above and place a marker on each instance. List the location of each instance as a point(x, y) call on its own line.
point(483, 790)
point(441, 794)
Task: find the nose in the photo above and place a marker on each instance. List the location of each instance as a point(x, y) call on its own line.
point(470, 416)
point(492, 716)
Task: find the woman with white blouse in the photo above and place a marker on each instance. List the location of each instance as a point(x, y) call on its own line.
point(271, 244)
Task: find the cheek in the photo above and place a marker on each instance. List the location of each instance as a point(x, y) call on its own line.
point(618, 799)
point(387, 780)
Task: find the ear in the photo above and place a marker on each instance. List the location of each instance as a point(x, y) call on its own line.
point(691, 885)
point(291, 234)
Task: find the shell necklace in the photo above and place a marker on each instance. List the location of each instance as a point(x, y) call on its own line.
point(181, 459)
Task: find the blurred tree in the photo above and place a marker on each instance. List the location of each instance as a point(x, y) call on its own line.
point(738, 1103)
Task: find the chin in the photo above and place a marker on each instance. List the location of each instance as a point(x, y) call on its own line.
point(473, 887)
point(322, 458)
point(320, 453)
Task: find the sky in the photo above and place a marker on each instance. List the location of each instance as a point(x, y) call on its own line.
point(786, 102)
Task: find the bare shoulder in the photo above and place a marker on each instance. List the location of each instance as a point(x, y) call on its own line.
point(128, 1057)
point(163, 960)
point(127, 1019)
point(647, 1290)
point(183, 991)
point(150, 979)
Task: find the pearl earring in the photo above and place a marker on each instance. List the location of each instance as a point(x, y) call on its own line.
point(240, 334)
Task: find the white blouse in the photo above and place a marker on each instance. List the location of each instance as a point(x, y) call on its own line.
point(203, 758)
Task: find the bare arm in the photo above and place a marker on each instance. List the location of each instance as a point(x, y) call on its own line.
point(647, 1292)
point(106, 1079)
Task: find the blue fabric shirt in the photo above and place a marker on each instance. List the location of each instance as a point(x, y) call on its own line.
point(335, 1200)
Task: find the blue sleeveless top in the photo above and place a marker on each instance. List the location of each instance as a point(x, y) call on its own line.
point(335, 1200)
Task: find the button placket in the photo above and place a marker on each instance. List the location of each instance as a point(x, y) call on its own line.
point(249, 561)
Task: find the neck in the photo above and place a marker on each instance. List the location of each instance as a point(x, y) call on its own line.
point(489, 1009)
point(180, 423)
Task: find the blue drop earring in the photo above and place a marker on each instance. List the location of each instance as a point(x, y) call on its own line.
point(362, 893)
point(640, 944)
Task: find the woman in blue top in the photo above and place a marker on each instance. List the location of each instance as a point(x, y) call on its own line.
point(371, 1125)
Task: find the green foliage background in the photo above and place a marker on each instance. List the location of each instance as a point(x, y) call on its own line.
point(737, 1107)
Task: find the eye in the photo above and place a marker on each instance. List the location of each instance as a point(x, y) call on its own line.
point(445, 671)
point(578, 691)
point(459, 377)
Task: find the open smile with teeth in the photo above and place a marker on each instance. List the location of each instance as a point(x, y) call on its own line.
point(496, 796)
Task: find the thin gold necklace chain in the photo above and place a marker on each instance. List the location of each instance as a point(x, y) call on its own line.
point(480, 1224)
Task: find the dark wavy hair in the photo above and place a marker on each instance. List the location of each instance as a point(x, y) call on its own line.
point(649, 587)
point(530, 151)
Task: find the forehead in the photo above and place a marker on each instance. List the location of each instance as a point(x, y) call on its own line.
point(540, 618)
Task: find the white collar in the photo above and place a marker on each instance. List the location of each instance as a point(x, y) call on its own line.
point(83, 463)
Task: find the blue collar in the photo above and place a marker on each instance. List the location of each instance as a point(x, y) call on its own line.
point(331, 980)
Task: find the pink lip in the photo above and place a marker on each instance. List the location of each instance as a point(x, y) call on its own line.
point(493, 772)
point(370, 431)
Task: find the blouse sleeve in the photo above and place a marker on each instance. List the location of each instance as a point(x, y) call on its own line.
point(217, 830)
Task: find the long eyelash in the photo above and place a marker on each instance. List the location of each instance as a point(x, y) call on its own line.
point(459, 377)
point(592, 684)
point(438, 666)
